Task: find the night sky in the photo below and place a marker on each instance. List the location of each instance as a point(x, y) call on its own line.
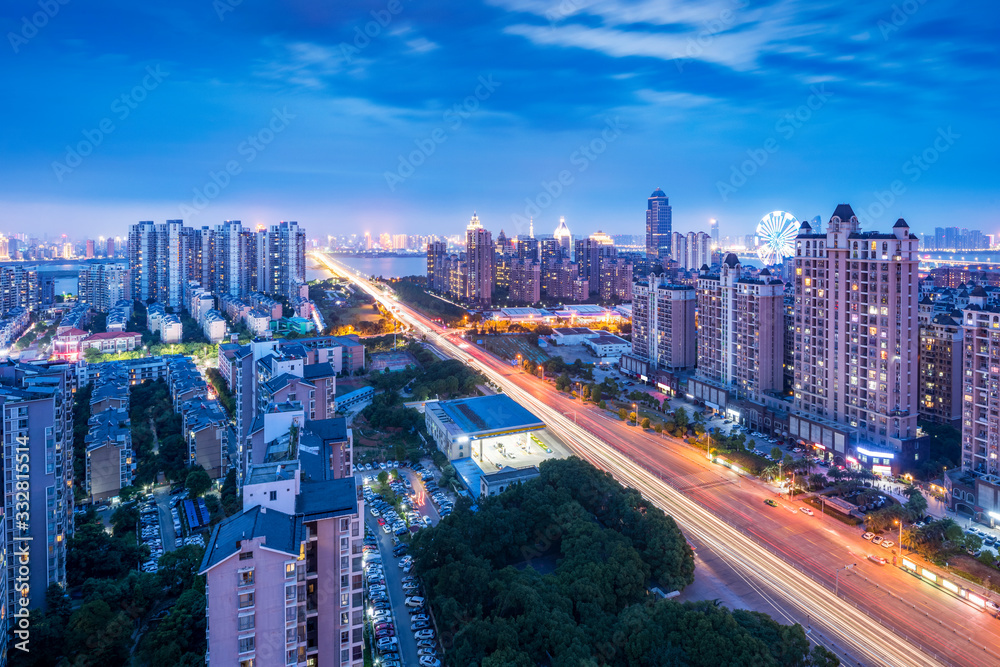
point(407, 115)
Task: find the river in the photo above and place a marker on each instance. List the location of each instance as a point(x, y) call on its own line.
point(389, 267)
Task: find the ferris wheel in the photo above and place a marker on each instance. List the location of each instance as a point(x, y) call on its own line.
point(776, 234)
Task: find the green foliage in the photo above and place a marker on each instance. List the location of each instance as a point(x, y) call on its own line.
point(412, 290)
point(81, 415)
point(197, 482)
point(607, 545)
point(125, 518)
point(681, 418)
point(383, 478)
point(221, 389)
point(622, 414)
point(645, 422)
point(231, 501)
point(387, 411)
point(179, 639)
point(93, 553)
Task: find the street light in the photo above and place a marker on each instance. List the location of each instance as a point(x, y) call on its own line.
point(635, 411)
point(899, 545)
point(846, 567)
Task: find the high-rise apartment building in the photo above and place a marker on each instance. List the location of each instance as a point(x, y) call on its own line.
point(37, 409)
point(19, 287)
point(101, 286)
point(558, 279)
point(940, 359)
point(856, 343)
point(741, 323)
point(698, 251)
point(479, 252)
point(616, 279)
point(980, 385)
point(284, 265)
point(713, 226)
point(658, 227)
point(437, 251)
point(525, 281)
point(589, 254)
point(284, 577)
point(157, 260)
point(663, 323)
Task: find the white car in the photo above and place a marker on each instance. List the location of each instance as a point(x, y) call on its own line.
point(806, 510)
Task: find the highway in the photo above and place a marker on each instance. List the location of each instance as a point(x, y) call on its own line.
point(879, 615)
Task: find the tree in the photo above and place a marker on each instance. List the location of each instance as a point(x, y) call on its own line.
point(125, 519)
point(775, 453)
point(816, 481)
point(681, 419)
point(645, 422)
point(658, 427)
point(917, 504)
point(197, 482)
point(383, 477)
point(231, 502)
point(622, 414)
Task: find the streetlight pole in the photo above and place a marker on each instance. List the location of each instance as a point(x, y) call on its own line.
point(846, 567)
point(635, 411)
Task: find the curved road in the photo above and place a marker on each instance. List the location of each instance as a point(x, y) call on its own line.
point(878, 615)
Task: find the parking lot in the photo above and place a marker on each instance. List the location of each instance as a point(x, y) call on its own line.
point(400, 623)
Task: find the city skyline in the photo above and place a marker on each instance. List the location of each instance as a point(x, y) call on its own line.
point(264, 132)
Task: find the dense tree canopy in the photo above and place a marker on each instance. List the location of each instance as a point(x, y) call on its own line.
point(556, 572)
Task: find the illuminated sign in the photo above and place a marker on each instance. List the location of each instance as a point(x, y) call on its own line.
point(862, 450)
point(950, 586)
point(928, 574)
point(909, 565)
point(976, 600)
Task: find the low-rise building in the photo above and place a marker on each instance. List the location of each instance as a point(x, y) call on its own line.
point(205, 428)
point(213, 324)
point(493, 484)
point(457, 426)
point(607, 346)
point(572, 335)
point(112, 342)
point(110, 461)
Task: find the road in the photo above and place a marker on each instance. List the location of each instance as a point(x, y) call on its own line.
point(162, 497)
point(879, 614)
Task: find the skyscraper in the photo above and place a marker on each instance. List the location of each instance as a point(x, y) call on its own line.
point(741, 324)
point(663, 323)
point(37, 409)
point(565, 238)
point(713, 225)
point(658, 227)
point(479, 252)
point(856, 343)
point(589, 254)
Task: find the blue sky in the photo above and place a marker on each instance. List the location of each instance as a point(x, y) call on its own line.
point(239, 109)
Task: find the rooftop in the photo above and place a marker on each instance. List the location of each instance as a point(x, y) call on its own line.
point(279, 531)
point(484, 415)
